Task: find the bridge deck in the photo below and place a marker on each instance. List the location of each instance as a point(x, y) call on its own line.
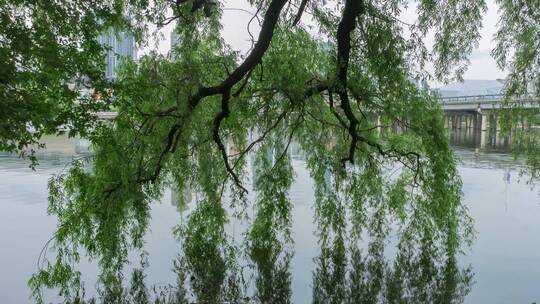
point(106, 115)
point(454, 103)
point(472, 103)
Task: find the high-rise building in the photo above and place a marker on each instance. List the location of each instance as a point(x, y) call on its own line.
point(175, 40)
point(121, 46)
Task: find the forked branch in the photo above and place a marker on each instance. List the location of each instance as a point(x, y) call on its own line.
point(353, 8)
point(217, 138)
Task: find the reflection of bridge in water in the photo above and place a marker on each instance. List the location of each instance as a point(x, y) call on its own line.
point(473, 119)
point(487, 159)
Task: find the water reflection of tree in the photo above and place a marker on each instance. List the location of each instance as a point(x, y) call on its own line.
point(361, 214)
point(357, 218)
point(415, 276)
point(356, 223)
point(269, 241)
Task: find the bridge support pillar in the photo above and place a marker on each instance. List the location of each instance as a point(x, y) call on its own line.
point(484, 125)
point(497, 131)
point(483, 139)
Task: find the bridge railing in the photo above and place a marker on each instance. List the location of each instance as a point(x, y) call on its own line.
point(481, 98)
point(106, 115)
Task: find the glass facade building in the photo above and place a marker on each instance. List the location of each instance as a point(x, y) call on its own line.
point(121, 45)
point(175, 40)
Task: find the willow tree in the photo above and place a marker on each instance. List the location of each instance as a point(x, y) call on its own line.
point(518, 39)
point(49, 51)
point(338, 78)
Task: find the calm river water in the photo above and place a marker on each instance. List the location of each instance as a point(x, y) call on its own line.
point(505, 256)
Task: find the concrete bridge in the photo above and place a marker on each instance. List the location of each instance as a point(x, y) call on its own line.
point(479, 110)
point(486, 102)
point(478, 114)
point(474, 114)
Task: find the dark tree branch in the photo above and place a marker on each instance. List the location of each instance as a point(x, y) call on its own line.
point(346, 26)
point(312, 90)
point(299, 120)
point(167, 21)
point(262, 137)
point(217, 138)
point(316, 89)
point(248, 27)
point(265, 36)
point(321, 121)
point(224, 88)
point(243, 86)
point(333, 110)
point(206, 5)
point(300, 12)
point(170, 141)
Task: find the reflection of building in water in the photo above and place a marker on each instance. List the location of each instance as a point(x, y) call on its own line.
point(55, 144)
point(181, 198)
point(489, 159)
point(82, 145)
point(328, 179)
point(296, 151)
point(175, 41)
point(62, 144)
point(255, 168)
point(506, 176)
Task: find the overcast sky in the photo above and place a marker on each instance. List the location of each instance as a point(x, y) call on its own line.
point(235, 33)
point(482, 64)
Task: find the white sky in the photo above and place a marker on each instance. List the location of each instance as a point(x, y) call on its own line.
point(483, 66)
point(235, 33)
